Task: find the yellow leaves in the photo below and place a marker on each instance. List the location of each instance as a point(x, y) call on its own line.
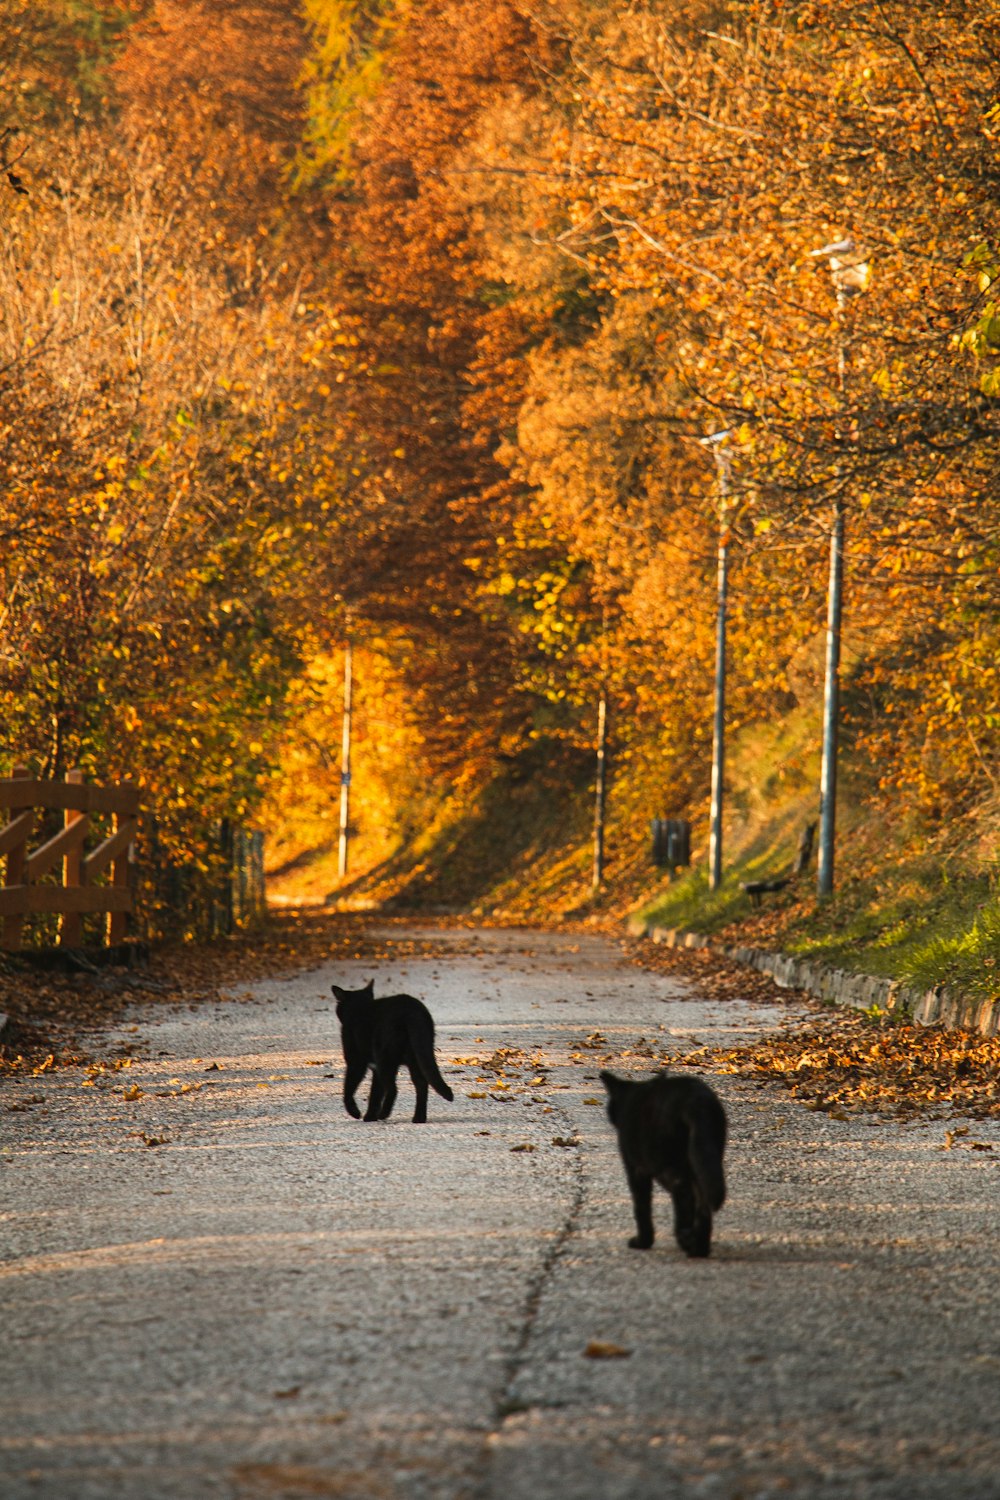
point(852, 1062)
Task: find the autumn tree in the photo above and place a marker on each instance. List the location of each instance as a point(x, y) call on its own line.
point(685, 168)
point(165, 468)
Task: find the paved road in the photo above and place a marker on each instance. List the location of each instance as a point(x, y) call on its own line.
point(278, 1301)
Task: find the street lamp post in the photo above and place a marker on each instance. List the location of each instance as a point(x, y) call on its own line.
point(849, 271)
point(600, 789)
point(716, 441)
point(345, 760)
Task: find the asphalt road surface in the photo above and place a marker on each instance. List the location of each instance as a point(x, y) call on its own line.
point(214, 1283)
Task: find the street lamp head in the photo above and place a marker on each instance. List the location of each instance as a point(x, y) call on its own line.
point(850, 269)
point(836, 247)
point(715, 442)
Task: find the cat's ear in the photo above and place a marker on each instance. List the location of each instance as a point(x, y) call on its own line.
point(369, 989)
point(611, 1082)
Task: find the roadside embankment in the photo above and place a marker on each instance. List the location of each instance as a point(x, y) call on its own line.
point(939, 1005)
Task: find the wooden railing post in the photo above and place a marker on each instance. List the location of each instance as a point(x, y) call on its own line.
point(121, 874)
point(26, 892)
point(14, 875)
point(71, 927)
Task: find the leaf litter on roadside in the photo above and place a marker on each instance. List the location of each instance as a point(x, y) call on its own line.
point(56, 1018)
point(839, 1060)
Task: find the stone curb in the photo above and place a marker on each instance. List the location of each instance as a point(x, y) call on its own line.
point(860, 991)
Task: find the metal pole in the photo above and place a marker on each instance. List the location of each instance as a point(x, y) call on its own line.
point(831, 686)
point(718, 441)
point(850, 270)
point(345, 762)
point(831, 706)
point(602, 745)
point(719, 725)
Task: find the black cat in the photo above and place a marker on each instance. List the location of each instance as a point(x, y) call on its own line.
point(673, 1130)
point(383, 1035)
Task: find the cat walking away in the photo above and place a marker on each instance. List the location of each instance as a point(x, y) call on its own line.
point(384, 1035)
point(672, 1130)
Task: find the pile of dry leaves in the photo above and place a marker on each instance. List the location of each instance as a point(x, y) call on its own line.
point(840, 1060)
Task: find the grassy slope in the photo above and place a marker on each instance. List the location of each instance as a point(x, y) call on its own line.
point(910, 902)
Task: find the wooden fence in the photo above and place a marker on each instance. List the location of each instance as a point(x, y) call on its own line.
point(77, 894)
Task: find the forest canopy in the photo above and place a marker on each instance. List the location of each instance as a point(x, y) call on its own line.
point(405, 320)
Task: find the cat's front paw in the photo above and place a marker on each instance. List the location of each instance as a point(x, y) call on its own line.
point(352, 1109)
point(639, 1242)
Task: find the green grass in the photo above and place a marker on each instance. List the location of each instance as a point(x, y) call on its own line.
point(913, 902)
point(915, 923)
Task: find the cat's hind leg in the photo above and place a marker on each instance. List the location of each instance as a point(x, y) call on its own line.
point(692, 1221)
point(641, 1189)
point(420, 1085)
point(389, 1092)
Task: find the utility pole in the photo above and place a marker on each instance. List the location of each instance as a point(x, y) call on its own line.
point(849, 272)
point(716, 441)
point(600, 796)
point(345, 762)
point(831, 706)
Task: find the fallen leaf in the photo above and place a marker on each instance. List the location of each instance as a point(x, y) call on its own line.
point(599, 1349)
point(525, 1147)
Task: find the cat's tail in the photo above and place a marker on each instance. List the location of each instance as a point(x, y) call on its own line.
point(423, 1047)
point(705, 1148)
